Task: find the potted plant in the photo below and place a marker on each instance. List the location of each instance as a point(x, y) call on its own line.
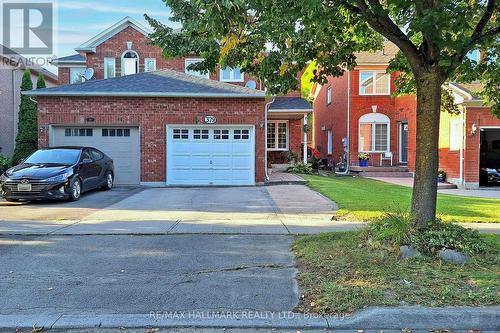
point(363, 159)
point(441, 176)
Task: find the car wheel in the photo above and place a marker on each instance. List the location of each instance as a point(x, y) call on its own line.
point(108, 181)
point(75, 190)
point(11, 200)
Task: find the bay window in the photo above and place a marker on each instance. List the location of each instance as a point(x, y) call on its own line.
point(277, 135)
point(374, 133)
point(374, 83)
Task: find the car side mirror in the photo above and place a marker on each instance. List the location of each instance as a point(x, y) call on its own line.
point(86, 161)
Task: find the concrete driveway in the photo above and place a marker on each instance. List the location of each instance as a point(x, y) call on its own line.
point(284, 209)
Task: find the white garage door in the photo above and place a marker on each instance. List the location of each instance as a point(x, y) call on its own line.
point(122, 144)
point(208, 155)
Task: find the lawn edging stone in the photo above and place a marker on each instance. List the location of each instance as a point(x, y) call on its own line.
point(453, 257)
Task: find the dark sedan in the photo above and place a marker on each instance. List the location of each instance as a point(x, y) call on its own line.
point(58, 173)
point(489, 174)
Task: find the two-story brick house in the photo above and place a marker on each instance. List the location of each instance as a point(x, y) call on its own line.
point(163, 123)
point(357, 113)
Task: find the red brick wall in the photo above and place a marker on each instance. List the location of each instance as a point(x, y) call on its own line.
point(481, 116)
point(152, 115)
point(63, 75)
point(332, 116)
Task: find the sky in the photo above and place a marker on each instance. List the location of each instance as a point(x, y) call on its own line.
point(78, 21)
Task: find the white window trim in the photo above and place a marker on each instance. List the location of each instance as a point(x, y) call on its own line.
point(106, 60)
point(329, 143)
point(206, 75)
point(276, 122)
point(374, 73)
point(122, 67)
point(232, 76)
point(329, 95)
point(375, 119)
point(146, 61)
point(458, 140)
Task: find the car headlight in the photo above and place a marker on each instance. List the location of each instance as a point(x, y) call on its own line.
point(59, 178)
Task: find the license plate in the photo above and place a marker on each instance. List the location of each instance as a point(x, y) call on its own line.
point(24, 187)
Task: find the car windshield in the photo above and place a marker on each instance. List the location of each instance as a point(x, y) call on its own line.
point(54, 156)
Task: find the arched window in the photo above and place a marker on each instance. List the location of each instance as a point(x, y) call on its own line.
point(130, 62)
point(374, 133)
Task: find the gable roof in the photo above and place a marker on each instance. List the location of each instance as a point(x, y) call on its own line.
point(91, 44)
point(15, 59)
point(72, 59)
point(379, 57)
point(163, 83)
point(287, 104)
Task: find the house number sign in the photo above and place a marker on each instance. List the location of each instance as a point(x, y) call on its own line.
point(210, 119)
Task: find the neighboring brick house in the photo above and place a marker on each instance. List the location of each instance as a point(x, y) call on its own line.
point(12, 67)
point(353, 115)
point(162, 123)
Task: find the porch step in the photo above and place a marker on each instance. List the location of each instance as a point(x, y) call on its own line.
point(399, 174)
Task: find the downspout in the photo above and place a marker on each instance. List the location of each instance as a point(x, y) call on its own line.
point(305, 139)
point(265, 137)
point(462, 145)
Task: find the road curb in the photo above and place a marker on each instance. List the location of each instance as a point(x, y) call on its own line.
point(412, 317)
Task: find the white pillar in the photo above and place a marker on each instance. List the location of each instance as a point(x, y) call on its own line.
point(305, 138)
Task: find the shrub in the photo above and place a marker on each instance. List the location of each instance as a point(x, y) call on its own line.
point(392, 227)
point(4, 164)
point(301, 168)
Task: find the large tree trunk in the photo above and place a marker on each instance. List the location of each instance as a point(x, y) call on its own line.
point(423, 208)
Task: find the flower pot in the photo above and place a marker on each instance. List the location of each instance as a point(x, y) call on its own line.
point(441, 178)
point(363, 163)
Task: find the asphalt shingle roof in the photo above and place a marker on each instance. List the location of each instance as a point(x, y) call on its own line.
point(74, 57)
point(163, 83)
point(289, 103)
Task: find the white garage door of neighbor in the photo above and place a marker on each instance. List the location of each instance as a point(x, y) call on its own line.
point(122, 144)
point(210, 155)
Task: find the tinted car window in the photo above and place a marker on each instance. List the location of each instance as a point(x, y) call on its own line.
point(60, 156)
point(86, 155)
point(96, 155)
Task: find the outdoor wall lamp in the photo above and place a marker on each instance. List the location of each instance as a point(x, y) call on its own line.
point(473, 129)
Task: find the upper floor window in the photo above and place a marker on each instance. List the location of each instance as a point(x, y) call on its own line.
point(192, 72)
point(149, 64)
point(109, 68)
point(76, 74)
point(229, 74)
point(130, 63)
point(374, 133)
point(374, 83)
point(329, 95)
point(455, 134)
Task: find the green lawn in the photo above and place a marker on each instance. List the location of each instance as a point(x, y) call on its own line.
point(339, 273)
point(364, 199)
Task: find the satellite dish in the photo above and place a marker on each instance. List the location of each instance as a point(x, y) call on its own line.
point(251, 84)
point(88, 74)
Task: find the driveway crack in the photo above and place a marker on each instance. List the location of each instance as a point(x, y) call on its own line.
point(239, 268)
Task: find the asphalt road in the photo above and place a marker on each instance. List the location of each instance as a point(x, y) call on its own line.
point(140, 274)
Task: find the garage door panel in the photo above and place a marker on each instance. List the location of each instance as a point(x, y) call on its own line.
point(123, 150)
point(222, 157)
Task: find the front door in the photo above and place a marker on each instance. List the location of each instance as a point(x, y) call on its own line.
point(403, 142)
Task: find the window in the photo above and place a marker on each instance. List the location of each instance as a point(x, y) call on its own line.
point(96, 155)
point(130, 63)
point(374, 83)
point(192, 72)
point(199, 134)
point(109, 68)
point(229, 74)
point(221, 134)
point(76, 74)
point(455, 134)
point(277, 135)
point(115, 132)
point(149, 64)
point(374, 133)
point(181, 134)
point(241, 134)
point(76, 131)
point(329, 143)
point(329, 95)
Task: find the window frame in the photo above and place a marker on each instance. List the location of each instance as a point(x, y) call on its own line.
point(329, 142)
point(276, 135)
point(231, 75)
point(379, 119)
point(458, 135)
point(106, 60)
point(329, 95)
point(190, 72)
point(75, 68)
point(374, 74)
point(137, 62)
point(146, 66)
